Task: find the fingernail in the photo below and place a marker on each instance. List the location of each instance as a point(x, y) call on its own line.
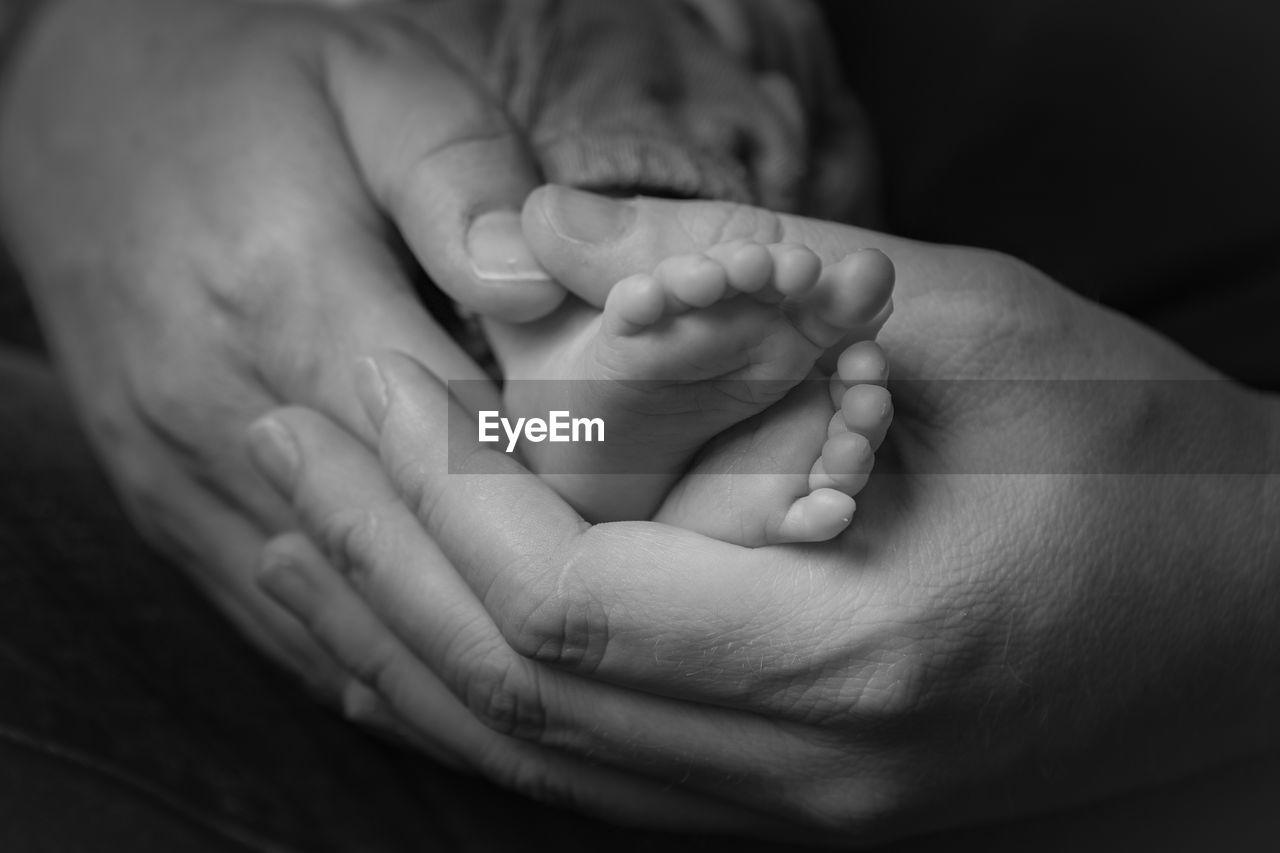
point(275, 452)
point(281, 576)
point(371, 388)
point(586, 217)
point(495, 243)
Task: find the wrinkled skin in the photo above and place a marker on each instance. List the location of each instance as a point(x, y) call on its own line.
point(206, 201)
point(1031, 609)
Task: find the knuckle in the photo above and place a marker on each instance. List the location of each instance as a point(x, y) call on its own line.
point(995, 293)
point(476, 137)
point(894, 688)
point(466, 139)
point(929, 654)
point(349, 537)
point(537, 781)
point(901, 682)
point(414, 486)
point(556, 629)
point(161, 399)
point(503, 694)
point(374, 662)
point(258, 270)
point(249, 282)
point(886, 676)
point(555, 619)
point(380, 678)
point(182, 397)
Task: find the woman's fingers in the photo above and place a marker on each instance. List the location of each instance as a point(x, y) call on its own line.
point(300, 579)
point(345, 502)
point(643, 605)
point(392, 690)
point(442, 159)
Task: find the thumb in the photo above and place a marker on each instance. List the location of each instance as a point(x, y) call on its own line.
point(443, 161)
point(588, 242)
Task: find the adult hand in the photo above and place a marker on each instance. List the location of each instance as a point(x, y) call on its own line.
point(202, 197)
point(1065, 586)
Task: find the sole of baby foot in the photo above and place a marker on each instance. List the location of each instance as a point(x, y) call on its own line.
point(790, 474)
point(702, 344)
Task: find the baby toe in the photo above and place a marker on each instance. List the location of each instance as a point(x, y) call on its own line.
point(816, 517)
point(868, 410)
point(796, 269)
point(846, 463)
point(633, 304)
point(863, 363)
point(691, 281)
point(854, 291)
point(748, 265)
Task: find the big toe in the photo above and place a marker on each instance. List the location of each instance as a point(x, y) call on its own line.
point(816, 517)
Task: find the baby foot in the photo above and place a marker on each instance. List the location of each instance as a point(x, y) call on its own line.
point(790, 474)
point(680, 355)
